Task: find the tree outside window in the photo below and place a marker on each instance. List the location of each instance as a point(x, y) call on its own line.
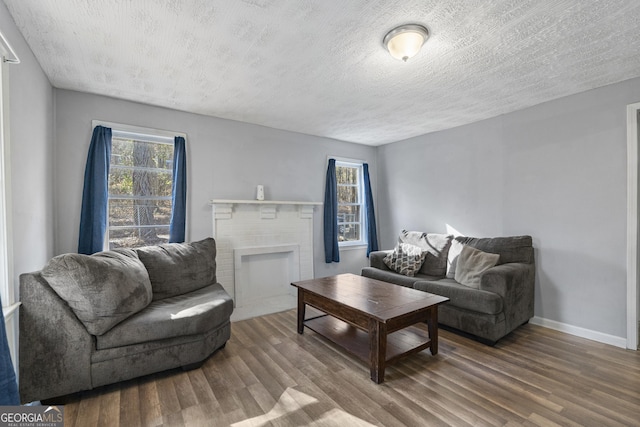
point(140, 184)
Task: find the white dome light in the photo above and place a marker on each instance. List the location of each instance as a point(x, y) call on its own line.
point(405, 41)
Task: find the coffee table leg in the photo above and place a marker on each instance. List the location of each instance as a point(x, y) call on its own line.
point(377, 350)
point(432, 324)
point(301, 308)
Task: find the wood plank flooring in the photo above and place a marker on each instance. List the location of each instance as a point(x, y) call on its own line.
point(268, 375)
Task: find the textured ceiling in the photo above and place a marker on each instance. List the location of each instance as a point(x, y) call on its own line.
point(318, 67)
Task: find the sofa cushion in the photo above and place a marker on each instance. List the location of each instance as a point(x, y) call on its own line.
point(192, 313)
point(510, 249)
point(178, 268)
point(436, 246)
point(462, 296)
point(102, 289)
point(405, 259)
point(393, 277)
point(472, 263)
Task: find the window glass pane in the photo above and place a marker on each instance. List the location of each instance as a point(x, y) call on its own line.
point(121, 152)
point(137, 212)
point(151, 183)
point(140, 180)
point(131, 238)
point(120, 181)
point(137, 222)
point(128, 181)
point(347, 194)
point(348, 232)
point(348, 213)
point(346, 175)
point(128, 152)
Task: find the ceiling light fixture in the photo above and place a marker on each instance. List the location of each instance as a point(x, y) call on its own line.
point(405, 41)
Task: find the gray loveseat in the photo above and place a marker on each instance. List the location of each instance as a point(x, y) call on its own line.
point(87, 321)
point(504, 298)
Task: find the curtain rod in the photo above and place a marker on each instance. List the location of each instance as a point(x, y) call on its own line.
point(138, 129)
point(8, 49)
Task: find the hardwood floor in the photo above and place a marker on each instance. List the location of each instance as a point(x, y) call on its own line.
point(270, 375)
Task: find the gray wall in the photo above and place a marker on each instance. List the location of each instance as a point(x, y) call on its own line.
point(225, 159)
point(556, 171)
point(31, 153)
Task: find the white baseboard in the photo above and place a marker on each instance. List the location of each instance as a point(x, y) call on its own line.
point(580, 332)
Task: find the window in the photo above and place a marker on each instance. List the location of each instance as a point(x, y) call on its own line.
point(7, 287)
point(349, 180)
point(6, 282)
point(140, 185)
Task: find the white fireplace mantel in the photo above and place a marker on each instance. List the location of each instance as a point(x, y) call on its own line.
point(263, 202)
point(223, 209)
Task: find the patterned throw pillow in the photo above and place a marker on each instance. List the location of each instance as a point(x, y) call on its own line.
point(436, 246)
point(405, 259)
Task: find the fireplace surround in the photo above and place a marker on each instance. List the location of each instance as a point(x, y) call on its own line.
point(263, 246)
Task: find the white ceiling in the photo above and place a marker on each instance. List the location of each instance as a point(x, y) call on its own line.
point(318, 67)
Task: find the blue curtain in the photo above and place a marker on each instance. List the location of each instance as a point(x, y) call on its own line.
point(93, 217)
point(8, 386)
point(178, 192)
point(370, 215)
point(331, 251)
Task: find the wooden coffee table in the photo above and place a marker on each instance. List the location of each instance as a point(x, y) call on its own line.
point(370, 318)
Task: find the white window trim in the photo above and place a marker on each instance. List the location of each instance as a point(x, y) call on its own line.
point(343, 161)
point(8, 54)
point(8, 283)
point(117, 133)
point(7, 288)
point(160, 136)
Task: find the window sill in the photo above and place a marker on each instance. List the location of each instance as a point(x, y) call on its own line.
point(352, 247)
point(10, 309)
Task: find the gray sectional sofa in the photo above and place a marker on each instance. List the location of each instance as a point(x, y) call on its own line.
point(503, 299)
point(88, 321)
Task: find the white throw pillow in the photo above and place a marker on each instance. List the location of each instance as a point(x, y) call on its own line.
point(405, 259)
point(471, 264)
point(452, 258)
point(436, 246)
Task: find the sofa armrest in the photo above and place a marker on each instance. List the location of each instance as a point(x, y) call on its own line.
point(55, 348)
point(502, 279)
point(376, 260)
point(515, 283)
